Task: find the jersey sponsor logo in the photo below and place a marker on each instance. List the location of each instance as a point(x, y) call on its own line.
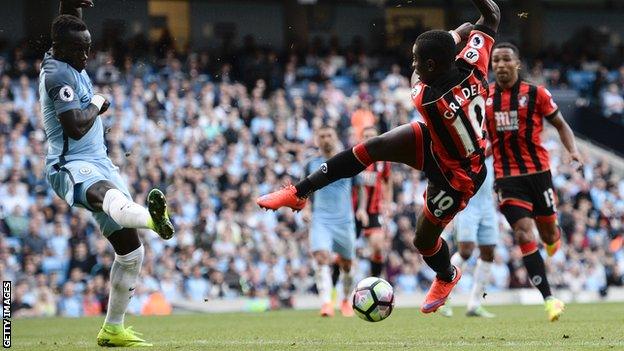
point(471, 56)
point(477, 41)
point(85, 170)
point(506, 120)
point(66, 93)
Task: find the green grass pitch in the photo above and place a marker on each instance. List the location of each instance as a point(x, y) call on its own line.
point(586, 327)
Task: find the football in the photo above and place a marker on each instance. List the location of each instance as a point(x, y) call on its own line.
point(373, 299)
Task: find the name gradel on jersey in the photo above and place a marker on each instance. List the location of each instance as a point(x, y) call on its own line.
point(466, 94)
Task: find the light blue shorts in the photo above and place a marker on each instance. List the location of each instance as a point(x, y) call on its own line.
point(338, 238)
point(478, 222)
point(71, 181)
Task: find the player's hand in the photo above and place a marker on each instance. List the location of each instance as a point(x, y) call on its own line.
point(362, 216)
point(576, 160)
point(78, 3)
point(464, 30)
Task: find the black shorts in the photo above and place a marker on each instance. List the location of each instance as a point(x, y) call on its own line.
point(530, 195)
point(374, 222)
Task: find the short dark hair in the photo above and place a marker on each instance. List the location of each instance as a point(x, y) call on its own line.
point(64, 24)
point(508, 45)
point(437, 45)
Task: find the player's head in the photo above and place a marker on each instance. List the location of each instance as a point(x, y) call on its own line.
point(433, 54)
point(506, 63)
point(326, 139)
point(71, 41)
point(369, 132)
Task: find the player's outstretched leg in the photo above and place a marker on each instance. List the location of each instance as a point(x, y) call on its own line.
point(435, 253)
point(123, 277)
point(127, 213)
point(397, 145)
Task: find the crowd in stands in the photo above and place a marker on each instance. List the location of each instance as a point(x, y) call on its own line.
point(214, 136)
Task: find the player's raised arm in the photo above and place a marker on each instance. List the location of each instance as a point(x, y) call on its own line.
point(74, 7)
point(490, 13)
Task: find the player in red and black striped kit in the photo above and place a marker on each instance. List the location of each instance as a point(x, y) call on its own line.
point(375, 180)
point(516, 110)
point(450, 92)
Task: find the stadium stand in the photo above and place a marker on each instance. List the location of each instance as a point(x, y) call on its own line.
point(214, 136)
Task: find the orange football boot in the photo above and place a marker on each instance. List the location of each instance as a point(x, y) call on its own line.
point(439, 292)
point(327, 310)
point(346, 309)
point(285, 197)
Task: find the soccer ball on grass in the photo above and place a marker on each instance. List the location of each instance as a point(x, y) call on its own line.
point(373, 299)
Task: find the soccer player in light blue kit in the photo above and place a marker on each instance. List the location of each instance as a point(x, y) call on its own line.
point(80, 172)
point(477, 224)
point(332, 227)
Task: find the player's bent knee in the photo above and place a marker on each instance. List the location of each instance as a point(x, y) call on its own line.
point(97, 191)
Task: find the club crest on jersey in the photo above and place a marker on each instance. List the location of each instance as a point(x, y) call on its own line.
point(477, 41)
point(471, 56)
point(66, 93)
point(522, 100)
point(489, 101)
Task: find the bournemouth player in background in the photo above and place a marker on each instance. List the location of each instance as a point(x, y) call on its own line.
point(450, 92)
point(516, 110)
point(375, 180)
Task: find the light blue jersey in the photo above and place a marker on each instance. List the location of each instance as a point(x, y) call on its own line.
point(333, 203)
point(62, 88)
point(333, 222)
point(72, 166)
point(478, 222)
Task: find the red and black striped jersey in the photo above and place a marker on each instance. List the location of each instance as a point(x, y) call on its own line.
point(372, 179)
point(453, 108)
point(515, 120)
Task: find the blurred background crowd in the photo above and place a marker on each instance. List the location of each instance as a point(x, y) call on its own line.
point(216, 129)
